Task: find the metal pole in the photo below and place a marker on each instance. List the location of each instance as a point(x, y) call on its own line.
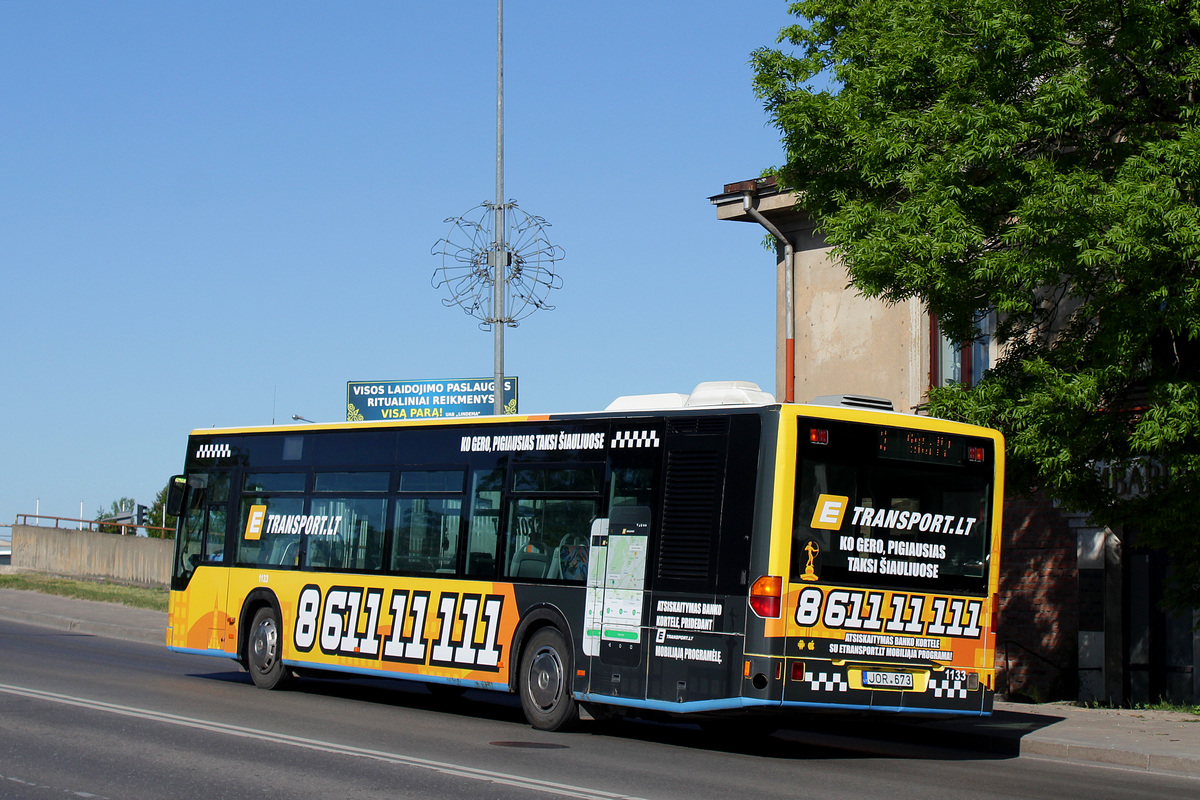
point(500, 249)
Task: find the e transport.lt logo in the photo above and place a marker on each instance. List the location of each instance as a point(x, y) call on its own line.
point(830, 510)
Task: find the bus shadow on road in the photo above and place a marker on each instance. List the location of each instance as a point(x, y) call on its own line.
point(803, 738)
point(498, 706)
point(820, 739)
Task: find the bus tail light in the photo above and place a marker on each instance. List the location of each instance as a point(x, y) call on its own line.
point(796, 672)
point(818, 435)
point(766, 596)
point(976, 454)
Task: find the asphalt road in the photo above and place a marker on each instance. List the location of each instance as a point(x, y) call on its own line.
point(89, 716)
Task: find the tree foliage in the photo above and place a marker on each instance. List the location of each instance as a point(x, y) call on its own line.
point(154, 516)
point(158, 515)
point(1040, 160)
point(119, 507)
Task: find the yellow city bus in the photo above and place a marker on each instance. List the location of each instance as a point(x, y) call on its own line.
point(715, 555)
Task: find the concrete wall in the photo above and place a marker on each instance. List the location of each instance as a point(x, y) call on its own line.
point(89, 554)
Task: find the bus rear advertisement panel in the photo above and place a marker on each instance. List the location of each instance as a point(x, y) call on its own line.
point(873, 649)
point(892, 577)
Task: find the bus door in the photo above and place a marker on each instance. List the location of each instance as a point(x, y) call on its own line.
point(616, 611)
point(614, 627)
point(619, 583)
point(199, 622)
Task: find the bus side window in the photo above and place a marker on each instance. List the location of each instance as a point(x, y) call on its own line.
point(549, 518)
point(264, 541)
point(631, 486)
point(425, 533)
point(350, 533)
point(548, 538)
point(271, 503)
point(528, 555)
point(484, 522)
point(215, 550)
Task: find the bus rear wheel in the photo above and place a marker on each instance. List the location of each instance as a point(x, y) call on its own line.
point(263, 651)
point(545, 682)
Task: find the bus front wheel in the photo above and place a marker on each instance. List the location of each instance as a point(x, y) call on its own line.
point(263, 651)
point(545, 677)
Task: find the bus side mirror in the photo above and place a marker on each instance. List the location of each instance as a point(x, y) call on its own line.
point(177, 491)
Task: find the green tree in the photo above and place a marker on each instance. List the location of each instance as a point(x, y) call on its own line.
point(1040, 160)
point(156, 515)
point(118, 507)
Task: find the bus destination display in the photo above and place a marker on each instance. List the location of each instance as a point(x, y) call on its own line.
point(923, 446)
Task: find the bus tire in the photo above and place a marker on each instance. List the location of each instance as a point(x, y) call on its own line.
point(264, 650)
point(545, 681)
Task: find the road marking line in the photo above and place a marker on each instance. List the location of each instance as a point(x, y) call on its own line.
point(316, 744)
point(46, 788)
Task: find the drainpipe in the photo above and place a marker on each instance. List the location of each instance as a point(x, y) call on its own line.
point(749, 204)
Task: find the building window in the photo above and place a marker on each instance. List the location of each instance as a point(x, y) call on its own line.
point(960, 362)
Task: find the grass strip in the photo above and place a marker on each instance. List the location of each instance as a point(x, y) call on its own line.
point(101, 590)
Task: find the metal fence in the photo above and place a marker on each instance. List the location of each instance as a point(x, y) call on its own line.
point(127, 528)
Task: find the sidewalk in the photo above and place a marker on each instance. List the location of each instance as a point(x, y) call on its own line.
point(84, 616)
point(1159, 741)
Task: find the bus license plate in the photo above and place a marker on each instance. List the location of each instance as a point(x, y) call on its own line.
point(888, 680)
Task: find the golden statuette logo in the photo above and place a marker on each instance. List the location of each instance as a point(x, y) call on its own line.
point(812, 548)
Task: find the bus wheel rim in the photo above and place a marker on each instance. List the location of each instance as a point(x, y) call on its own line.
point(264, 645)
point(545, 678)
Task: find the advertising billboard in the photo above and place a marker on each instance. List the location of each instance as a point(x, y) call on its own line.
point(426, 399)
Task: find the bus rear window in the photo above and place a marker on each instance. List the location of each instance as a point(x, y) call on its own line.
point(865, 517)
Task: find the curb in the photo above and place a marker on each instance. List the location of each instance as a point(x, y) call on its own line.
point(959, 736)
point(1148, 762)
point(111, 630)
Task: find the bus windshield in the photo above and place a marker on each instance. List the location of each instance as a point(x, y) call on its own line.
point(901, 510)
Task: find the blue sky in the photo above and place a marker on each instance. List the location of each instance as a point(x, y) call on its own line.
point(218, 213)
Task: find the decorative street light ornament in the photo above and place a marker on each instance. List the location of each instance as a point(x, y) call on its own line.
point(468, 265)
point(496, 262)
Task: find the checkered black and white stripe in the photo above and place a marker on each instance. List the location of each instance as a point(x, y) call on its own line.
point(828, 682)
point(214, 451)
point(636, 439)
point(948, 688)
